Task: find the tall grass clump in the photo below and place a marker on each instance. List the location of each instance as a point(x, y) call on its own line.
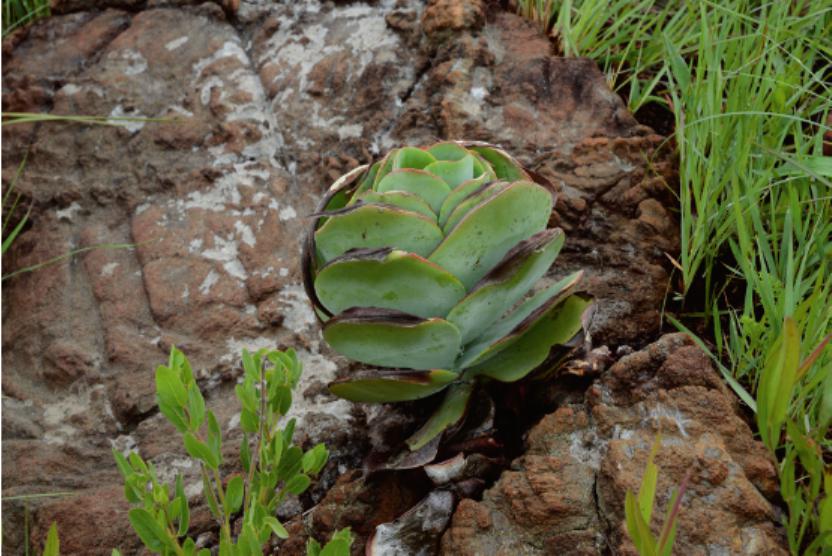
point(17, 13)
point(748, 86)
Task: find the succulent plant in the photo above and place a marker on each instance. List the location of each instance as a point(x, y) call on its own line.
point(428, 267)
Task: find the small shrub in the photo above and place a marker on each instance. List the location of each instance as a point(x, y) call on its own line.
point(274, 468)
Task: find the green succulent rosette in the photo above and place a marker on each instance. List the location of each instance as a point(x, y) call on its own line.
point(427, 268)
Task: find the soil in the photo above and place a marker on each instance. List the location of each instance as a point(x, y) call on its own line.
point(262, 107)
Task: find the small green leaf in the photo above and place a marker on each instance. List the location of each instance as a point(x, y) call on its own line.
point(149, 531)
point(169, 387)
point(196, 406)
point(647, 491)
point(314, 459)
point(297, 484)
point(249, 421)
point(214, 437)
point(185, 513)
point(53, 545)
point(245, 453)
point(199, 450)
point(207, 489)
point(234, 495)
point(276, 527)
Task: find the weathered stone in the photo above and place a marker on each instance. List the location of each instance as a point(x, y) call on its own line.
point(566, 494)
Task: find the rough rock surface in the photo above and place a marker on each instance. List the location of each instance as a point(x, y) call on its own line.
point(565, 495)
point(260, 111)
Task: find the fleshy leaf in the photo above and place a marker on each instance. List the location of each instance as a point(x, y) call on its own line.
point(401, 199)
point(491, 229)
point(392, 386)
point(556, 327)
point(412, 157)
point(373, 226)
point(512, 326)
point(447, 150)
point(453, 172)
point(448, 414)
point(476, 197)
point(459, 193)
point(366, 183)
point(506, 283)
point(388, 279)
point(429, 187)
point(501, 162)
point(390, 338)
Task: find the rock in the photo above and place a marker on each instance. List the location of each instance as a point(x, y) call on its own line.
point(565, 495)
point(452, 15)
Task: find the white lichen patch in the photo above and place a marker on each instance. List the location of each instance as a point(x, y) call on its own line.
point(209, 281)
point(661, 413)
point(225, 251)
point(287, 213)
point(108, 269)
point(298, 315)
point(129, 125)
point(69, 212)
point(585, 447)
point(246, 235)
point(176, 43)
point(317, 369)
point(134, 62)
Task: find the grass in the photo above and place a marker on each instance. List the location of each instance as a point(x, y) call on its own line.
point(748, 86)
point(17, 13)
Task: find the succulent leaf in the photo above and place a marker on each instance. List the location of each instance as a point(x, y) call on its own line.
point(424, 264)
point(392, 386)
point(453, 172)
point(459, 193)
point(448, 150)
point(474, 199)
point(491, 229)
point(412, 157)
point(449, 413)
point(506, 283)
point(428, 186)
point(390, 338)
point(374, 226)
point(388, 279)
point(505, 167)
point(512, 326)
point(555, 328)
point(401, 199)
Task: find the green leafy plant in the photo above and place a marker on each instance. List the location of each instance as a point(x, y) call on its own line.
point(274, 469)
point(424, 265)
point(638, 511)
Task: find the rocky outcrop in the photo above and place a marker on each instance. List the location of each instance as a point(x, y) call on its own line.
point(565, 495)
point(258, 110)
